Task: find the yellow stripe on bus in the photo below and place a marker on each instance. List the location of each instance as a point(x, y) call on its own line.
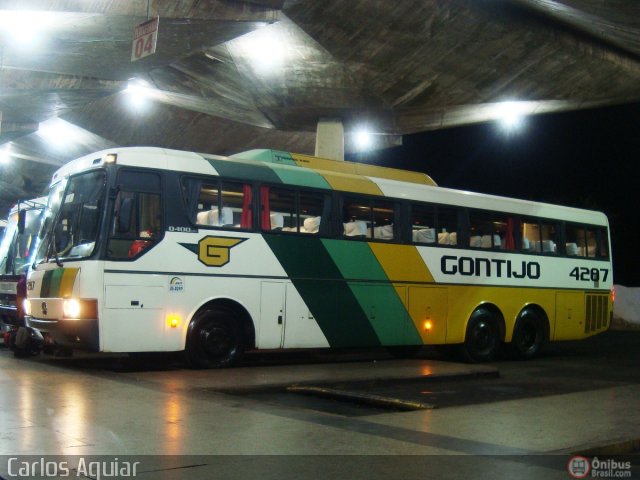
point(351, 183)
point(403, 264)
point(67, 282)
point(342, 167)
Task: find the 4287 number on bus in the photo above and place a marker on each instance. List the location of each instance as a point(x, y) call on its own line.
point(585, 274)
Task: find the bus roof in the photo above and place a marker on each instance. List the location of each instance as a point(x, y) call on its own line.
point(335, 166)
point(274, 166)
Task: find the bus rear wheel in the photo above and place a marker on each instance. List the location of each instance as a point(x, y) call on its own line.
point(214, 339)
point(482, 339)
point(528, 335)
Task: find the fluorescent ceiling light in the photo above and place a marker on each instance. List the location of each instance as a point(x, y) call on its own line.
point(25, 29)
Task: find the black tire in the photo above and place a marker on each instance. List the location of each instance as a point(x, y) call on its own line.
point(482, 339)
point(214, 339)
point(528, 335)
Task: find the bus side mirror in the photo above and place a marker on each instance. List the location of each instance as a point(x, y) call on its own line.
point(124, 215)
point(22, 220)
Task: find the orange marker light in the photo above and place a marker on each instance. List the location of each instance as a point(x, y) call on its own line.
point(173, 321)
point(428, 325)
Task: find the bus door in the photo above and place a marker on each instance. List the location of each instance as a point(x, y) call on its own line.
point(285, 320)
point(134, 313)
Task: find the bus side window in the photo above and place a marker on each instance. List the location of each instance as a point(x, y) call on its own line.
point(356, 217)
point(487, 230)
point(539, 236)
point(591, 244)
point(312, 206)
point(603, 243)
point(383, 220)
point(575, 240)
point(423, 224)
point(447, 225)
point(278, 209)
point(212, 203)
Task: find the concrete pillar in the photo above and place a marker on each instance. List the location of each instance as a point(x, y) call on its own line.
point(330, 139)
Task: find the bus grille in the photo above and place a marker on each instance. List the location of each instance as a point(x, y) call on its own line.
point(597, 312)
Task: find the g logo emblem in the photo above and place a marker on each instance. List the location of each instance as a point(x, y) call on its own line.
point(215, 251)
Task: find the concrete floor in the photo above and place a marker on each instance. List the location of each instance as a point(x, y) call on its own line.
point(200, 424)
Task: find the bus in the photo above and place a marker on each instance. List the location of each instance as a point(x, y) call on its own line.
point(16, 248)
point(153, 250)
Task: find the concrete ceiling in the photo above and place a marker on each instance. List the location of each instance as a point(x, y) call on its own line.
point(231, 75)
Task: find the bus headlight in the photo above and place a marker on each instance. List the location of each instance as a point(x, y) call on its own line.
point(71, 308)
point(77, 309)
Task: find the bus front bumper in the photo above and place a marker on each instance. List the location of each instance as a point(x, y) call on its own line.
point(81, 334)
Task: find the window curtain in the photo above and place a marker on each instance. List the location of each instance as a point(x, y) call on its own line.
point(192, 194)
point(265, 212)
point(246, 216)
point(509, 242)
point(326, 212)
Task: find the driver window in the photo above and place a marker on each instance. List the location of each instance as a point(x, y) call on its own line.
point(137, 220)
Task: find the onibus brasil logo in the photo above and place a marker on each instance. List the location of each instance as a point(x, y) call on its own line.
point(581, 467)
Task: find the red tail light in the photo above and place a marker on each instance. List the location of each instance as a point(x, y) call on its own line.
point(613, 293)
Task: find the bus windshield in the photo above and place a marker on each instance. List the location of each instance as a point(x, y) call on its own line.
point(16, 246)
point(73, 217)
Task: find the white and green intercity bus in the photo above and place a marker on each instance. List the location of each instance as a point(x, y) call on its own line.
point(154, 250)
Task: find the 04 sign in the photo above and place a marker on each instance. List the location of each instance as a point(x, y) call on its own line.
point(145, 37)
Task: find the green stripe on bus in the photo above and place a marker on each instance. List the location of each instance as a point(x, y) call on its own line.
point(323, 289)
point(380, 301)
point(300, 176)
point(46, 283)
point(266, 155)
point(56, 278)
point(239, 169)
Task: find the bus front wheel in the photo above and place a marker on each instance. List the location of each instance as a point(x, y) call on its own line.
point(482, 339)
point(528, 335)
point(214, 339)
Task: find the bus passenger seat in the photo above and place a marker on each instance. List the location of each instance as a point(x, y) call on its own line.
point(548, 246)
point(572, 249)
point(424, 235)
point(227, 216)
point(355, 228)
point(311, 225)
point(475, 241)
point(525, 243)
point(453, 238)
point(383, 232)
point(277, 221)
point(208, 217)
